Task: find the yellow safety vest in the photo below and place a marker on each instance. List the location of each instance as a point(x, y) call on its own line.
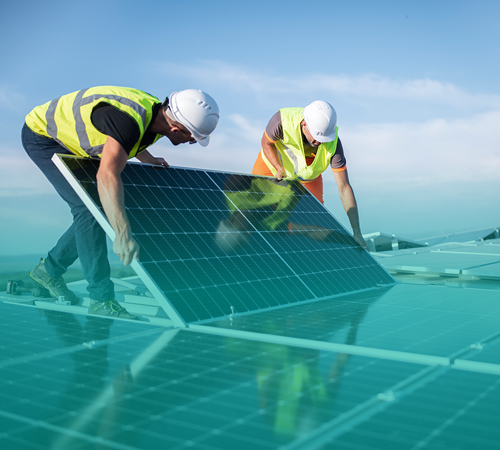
point(67, 119)
point(291, 149)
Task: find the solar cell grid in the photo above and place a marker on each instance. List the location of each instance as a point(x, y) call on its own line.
point(430, 320)
point(456, 411)
point(126, 391)
point(217, 243)
point(174, 388)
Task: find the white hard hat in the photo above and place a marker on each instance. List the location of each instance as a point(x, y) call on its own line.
point(321, 121)
point(197, 111)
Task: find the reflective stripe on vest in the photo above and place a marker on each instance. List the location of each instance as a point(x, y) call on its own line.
point(79, 135)
point(291, 149)
point(293, 158)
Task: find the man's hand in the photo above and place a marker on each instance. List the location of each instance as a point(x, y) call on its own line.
point(126, 247)
point(148, 158)
point(281, 172)
point(361, 241)
point(160, 162)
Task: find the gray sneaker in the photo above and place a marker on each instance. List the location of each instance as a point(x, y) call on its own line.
point(109, 308)
point(56, 286)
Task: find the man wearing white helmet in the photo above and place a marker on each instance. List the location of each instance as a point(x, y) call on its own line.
point(300, 143)
point(115, 124)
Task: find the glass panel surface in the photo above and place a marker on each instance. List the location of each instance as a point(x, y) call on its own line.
point(430, 320)
point(486, 352)
point(25, 329)
point(215, 243)
point(459, 410)
point(178, 389)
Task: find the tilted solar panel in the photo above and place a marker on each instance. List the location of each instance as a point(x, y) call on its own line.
point(217, 244)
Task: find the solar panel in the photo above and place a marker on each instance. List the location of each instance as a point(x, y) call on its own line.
point(425, 320)
point(95, 382)
point(215, 244)
point(173, 388)
point(455, 411)
point(479, 260)
point(464, 236)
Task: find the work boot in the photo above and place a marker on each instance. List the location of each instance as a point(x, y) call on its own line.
point(56, 286)
point(109, 308)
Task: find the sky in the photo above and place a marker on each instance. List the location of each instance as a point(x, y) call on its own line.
point(415, 85)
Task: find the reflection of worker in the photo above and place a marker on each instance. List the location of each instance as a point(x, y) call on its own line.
point(254, 203)
point(264, 204)
point(298, 387)
point(115, 124)
point(301, 143)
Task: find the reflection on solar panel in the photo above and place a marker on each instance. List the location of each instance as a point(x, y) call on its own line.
point(217, 243)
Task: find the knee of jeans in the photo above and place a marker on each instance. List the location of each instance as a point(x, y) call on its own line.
point(85, 224)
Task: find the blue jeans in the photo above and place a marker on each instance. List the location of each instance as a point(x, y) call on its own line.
point(84, 239)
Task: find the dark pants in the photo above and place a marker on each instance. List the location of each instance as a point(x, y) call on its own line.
point(84, 239)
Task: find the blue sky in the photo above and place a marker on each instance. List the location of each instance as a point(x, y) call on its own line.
point(415, 86)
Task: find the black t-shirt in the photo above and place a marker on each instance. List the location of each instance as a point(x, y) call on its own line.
point(120, 126)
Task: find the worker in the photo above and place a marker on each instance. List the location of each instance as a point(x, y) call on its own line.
point(114, 124)
point(300, 143)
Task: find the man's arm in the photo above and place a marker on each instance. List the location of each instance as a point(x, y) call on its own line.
point(148, 158)
point(272, 156)
point(350, 205)
point(110, 187)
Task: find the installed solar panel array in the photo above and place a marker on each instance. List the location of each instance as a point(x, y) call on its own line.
point(420, 371)
point(217, 243)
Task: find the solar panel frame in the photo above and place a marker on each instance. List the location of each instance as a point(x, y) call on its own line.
point(271, 267)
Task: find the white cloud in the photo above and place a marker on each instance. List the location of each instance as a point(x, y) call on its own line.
point(408, 177)
point(367, 86)
point(19, 177)
point(246, 129)
point(11, 100)
point(462, 153)
point(216, 72)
